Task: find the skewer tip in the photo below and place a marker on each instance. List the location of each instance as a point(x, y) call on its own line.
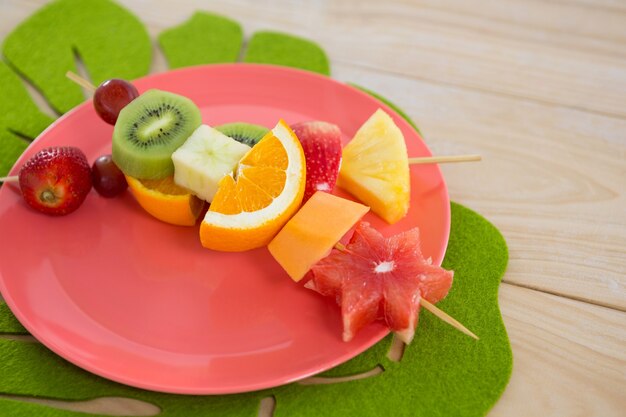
point(80, 81)
point(447, 318)
point(12, 178)
point(444, 159)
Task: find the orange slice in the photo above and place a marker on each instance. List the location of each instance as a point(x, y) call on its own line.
point(249, 209)
point(166, 201)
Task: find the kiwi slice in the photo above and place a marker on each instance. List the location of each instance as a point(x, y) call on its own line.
point(149, 129)
point(246, 133)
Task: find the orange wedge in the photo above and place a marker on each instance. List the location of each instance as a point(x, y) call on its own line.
point(166, 201)
point(249, 209)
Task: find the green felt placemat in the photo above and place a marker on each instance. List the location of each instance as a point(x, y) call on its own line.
point(110, 41)
point(8, 323)
point(206, 38)
point(267, 47)
point(20, 119)
point(442, 373)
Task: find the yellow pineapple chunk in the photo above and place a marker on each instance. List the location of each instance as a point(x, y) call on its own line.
point(375, 168)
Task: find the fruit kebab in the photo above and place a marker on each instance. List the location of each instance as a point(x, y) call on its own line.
point(259, 204)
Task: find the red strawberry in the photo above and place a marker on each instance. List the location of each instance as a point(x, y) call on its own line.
point(56, 180)
point(321, 142)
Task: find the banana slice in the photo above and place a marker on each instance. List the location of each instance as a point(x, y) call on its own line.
point(202, 161)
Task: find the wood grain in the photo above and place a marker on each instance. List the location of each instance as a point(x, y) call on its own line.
point(538, 88)
point(569, 357)
point(506, 48)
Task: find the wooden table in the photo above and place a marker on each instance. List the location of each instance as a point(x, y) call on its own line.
point(539, 89)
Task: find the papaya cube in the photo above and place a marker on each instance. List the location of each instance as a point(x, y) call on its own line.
point(313, 231)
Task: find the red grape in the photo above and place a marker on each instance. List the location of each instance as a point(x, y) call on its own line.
point(111, 97)
point(108, 179)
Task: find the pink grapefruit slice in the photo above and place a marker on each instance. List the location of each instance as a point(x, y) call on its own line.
point(378, 277)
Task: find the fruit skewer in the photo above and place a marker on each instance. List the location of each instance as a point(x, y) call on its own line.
point(428, 305)
point(411, 161)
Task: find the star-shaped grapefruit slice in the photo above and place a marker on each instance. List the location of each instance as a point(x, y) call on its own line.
point(380, 278)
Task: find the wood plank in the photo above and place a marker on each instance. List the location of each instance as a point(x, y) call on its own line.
point(13, 12)
point(569, 357)
point(507, 48)
point(534, 22)
point(481, 54)
point(552, 179)
point(611, 5)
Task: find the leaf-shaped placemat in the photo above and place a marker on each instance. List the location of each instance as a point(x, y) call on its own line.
point(442, 373)
point(8, 323)
point(20, 119)
point(111, 42)
point(277, 48)
point(206, 38)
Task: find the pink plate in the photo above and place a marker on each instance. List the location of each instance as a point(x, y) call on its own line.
point(122, 295)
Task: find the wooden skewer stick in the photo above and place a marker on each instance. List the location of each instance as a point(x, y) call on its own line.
point(13, 178)
point(80, 81)
point(412, 161)
point(443, 159)
point(342, 248)
point(446, 317)
point(427, 305)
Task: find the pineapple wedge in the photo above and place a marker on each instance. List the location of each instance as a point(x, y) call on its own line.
point(202, 161)
point(375, 168)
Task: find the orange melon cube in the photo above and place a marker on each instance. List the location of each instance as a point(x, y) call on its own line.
point(313, 231)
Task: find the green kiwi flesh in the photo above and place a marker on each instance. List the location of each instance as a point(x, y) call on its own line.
point(149, 129)
point(246, 133)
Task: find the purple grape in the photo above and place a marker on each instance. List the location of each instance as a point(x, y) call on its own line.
point(107, 178)
point(111, 97)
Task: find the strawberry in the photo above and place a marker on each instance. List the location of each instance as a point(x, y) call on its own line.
point(56, 180)
point(321, 142)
